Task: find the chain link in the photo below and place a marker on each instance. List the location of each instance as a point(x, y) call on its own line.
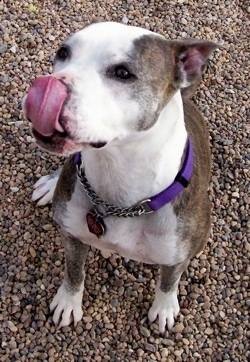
point(132, 211)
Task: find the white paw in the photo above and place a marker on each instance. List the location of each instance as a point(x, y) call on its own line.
point(44, 189)
point(166, 308)
point(67, 307)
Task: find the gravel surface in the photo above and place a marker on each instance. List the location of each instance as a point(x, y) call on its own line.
point(214, 294)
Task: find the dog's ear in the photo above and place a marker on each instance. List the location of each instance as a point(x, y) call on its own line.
point(190, 58)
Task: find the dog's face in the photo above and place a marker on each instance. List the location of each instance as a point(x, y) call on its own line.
point(109, 81)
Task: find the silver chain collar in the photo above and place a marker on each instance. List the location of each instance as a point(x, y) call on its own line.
point(136, 210)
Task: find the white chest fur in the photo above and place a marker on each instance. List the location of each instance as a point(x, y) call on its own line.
point(126, 172)
point(151, 238)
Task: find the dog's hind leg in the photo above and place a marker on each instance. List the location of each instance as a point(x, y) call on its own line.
point(67, 303)
point(166, 305)
point(44, 188)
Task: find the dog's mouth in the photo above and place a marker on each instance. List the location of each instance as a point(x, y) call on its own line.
point(43, 107)
point(56, 137)
point(57, 141)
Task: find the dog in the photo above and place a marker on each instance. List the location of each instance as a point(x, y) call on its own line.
point(135, 182)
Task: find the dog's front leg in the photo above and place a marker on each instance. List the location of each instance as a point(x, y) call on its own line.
point(67, 303)
point(166, 305)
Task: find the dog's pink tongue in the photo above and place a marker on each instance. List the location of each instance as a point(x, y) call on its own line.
point(44, 103)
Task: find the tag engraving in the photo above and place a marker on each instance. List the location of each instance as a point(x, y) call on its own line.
point(95, 223)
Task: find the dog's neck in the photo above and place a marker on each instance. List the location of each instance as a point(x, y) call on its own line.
point(141, 164)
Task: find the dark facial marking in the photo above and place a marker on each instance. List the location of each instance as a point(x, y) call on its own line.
point(154, 65)
point(156, 60)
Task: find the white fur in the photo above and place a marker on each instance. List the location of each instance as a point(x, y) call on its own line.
point(165, 307)
point(67, 306)
point(44, 190)
point(130, 238)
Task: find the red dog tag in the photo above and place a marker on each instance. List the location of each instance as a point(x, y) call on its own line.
point(95, 223)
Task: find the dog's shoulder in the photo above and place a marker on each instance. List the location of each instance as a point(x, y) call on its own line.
point(193, 204)
point(198, 132)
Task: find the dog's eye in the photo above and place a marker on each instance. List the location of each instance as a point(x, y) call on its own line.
point(63, 53)
point(123, 73)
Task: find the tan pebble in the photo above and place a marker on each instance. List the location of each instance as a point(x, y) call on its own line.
point(32, 252)
point(185, 311)
point(209, 331)
point(15, 298)
point(88, 326)
point(109, 326)
point(87, 319)
point(237, 277)
point(105, 254)
point(106, 319)
point(178, 353)
point(40, 56)
point(27, 236)
point(140, 352)
point(51, 352)
point(209, 351)
point(27, 212)
point(164, 352)
point(11, 326)
point(90, 310)
point(184, 21)
point(21, 176)
point(178, 327)
point(47, 227)
point(144, 331)
point(98, 316)
point(186, 341)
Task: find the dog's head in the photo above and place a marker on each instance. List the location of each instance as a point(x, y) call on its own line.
point(109, 81)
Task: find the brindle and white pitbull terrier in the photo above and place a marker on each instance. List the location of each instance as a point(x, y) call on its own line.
point(137, 182)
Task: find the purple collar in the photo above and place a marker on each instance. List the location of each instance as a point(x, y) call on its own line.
point(180, 182)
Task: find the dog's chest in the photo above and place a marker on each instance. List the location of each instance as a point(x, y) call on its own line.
point(151, 239)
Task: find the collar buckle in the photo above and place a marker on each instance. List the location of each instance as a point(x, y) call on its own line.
point(145, 208)
point(182, 180)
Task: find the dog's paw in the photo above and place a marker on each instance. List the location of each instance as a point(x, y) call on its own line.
point(67, 307)
point(166, 308)
point(44, 189)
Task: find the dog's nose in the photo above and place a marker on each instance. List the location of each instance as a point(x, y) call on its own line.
point(44, 103)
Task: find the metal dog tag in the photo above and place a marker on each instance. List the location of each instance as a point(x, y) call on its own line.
point(95, 223)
